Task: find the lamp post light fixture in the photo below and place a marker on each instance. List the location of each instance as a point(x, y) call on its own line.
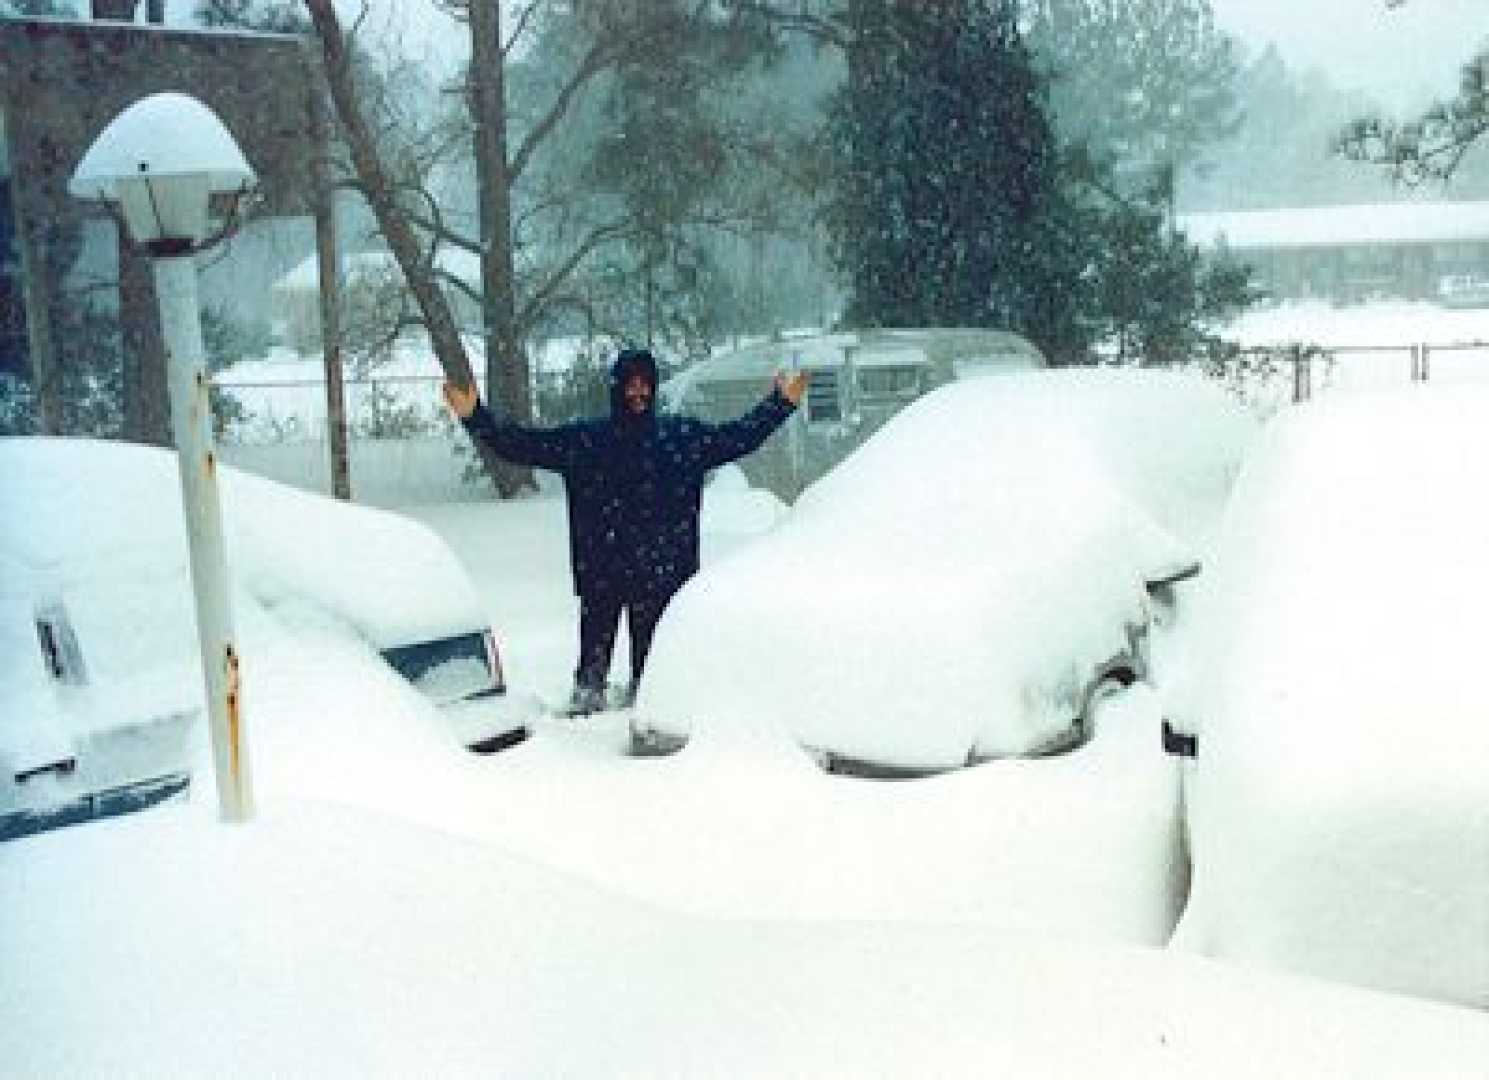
point(161, 164)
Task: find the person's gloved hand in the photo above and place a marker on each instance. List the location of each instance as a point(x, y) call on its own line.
point(792, 386)
point(462, 399)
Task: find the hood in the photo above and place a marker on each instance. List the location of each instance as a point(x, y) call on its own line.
point(631, 361)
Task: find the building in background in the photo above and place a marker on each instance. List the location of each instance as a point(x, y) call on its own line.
point(373, 295)
point(61, 82)
point(1348, 254)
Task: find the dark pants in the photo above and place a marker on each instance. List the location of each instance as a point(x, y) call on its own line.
point(599, 619)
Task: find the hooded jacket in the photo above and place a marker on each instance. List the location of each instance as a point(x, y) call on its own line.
point(634, 483)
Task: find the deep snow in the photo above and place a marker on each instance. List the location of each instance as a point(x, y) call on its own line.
point(401, 906)
point(952, 588)
point(1340, 804)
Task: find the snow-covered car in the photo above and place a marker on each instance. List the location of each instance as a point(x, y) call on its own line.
point(1338, 794)
point(100, 677)
point(963, 585)
point(1463, 291)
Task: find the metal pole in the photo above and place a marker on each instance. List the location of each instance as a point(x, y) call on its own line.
point(1302, 375)
point(795, 450)
point(191, 419)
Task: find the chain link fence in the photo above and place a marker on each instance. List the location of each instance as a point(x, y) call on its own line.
point(1268, 378)
point(404, 448)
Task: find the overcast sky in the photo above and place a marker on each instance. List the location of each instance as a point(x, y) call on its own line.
point(1400, 57)
point(1397, 55)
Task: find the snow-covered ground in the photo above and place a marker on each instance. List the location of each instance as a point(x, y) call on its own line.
point(321, 941)
point(1370, 346)
point(400, 906)
point(1379, 323)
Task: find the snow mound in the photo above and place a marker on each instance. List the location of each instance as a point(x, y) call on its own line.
point(1341, 796)
point(950, 589)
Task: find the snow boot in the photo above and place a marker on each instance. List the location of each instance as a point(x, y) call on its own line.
point(584, 701)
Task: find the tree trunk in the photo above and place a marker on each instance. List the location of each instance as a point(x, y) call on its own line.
point(444, 335)
point(507, 375)
point(37, 285)
point(329, 291)
point(147, 417)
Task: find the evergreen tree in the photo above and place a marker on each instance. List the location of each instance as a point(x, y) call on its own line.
point(90, 376)
point(956, 207)
point(663, 156)
point(1281, 154)
point(1155, 290)
point(1147, 85)
point(945, 162)
point(1433, 146)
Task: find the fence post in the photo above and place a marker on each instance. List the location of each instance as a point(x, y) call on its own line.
point(1302, 375)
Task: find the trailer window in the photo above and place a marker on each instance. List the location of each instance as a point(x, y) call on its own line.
point(889, 381)
point(822, 397)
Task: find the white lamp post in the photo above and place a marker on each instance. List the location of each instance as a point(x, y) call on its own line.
point(160, 162)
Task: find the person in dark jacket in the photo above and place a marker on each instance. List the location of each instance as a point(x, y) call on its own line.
point(634, 483)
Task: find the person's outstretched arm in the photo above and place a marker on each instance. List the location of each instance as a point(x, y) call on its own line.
point(723, 443)
point(541, 448)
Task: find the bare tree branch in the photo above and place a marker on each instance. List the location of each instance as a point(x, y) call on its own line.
point(798, 17)
point(595, 60)
point(379, 191)
point(598, 237)
point(524, 16)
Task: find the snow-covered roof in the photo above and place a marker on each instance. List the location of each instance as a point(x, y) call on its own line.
point(868, 348)
point(464, 265)
point(1332, 226)
point(762, 359)
point(889, 356)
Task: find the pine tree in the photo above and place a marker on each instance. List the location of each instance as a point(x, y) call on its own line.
point(1149, 84)
point(949, 210)
point(956, 206)
point(1433, 146)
